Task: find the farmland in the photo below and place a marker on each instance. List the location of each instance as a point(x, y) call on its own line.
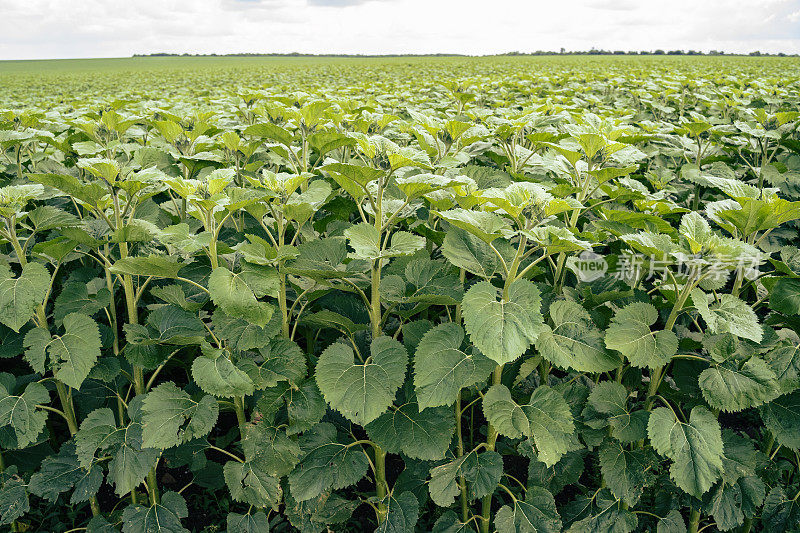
point(408, 294)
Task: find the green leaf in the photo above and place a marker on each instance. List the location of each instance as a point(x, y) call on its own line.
point(61, 472)
point(484, 225)
point(20, 296)
point(695, 447)
point(327, 464)
point(362, 391)
point(503, 329)
point(574, 341)
point(13, 496)
point(467, 251)
point(728, 315)
point(672, 523)
point(782, 418)
point(481, 471)
point(422, 435)
point(173, 325)
point(781, 513)
point(546, 418)
point(611, 400)
point(785, 296)
point(22, 414)
point(158, 266)
point(449, 523)
point(241, 334)
point(536, 514)
point(283, 360)
point(270, 448)
point(366, 242)
point(163, 517)
point(130, 462)
point(729, 387)
point(730, 504)
point(235, 294)
point(171, 417)
point(441, 368)
point(72, 354)
point(626, 472)
point(250, 484)
point(248, 523)
point(98, 431)
point(402, 513)
point(75, 298)
point(214, 372)
point(353, 178)
point(630, 334)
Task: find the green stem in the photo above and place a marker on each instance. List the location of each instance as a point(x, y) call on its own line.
point(462, 484)
point(375, 300)
point(491, 439)
point(694, 520)
point(69, 414)
point(238, 404)
point(381, 486)
point(657, 374)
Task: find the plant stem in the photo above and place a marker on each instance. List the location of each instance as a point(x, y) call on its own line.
point(381, 486)
point(656, 375)
point(694, 520)
point(238, 403)
point(462, 485)
point(491, 439)
point(72, 424)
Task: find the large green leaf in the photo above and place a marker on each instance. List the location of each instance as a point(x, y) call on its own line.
point(630, 334)
point(574, 341)
point(170, 417)
point(503, 329)
point(546, 418)
point(536, 514)
point(695, 447)
point(402, 512)
point(326, 464)
point(162, 517)
point(22, 414)
point(484, 225)
point(728, 315)
point(214, 372)
point(362, 391)
point(72, 354)
point(782, 417)
point(610, 400)
point(467, 251)
point(626, 472)
point(248, 523)
point(785, 296)
point(236, 294)
point(730, 387)
point(482, 472)
point(14, 501)
point(155, 265)
point(20, 296)
point(422, 435)
point(251, 484)
point(442, 368)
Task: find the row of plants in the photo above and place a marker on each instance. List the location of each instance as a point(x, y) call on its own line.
point(299, 312)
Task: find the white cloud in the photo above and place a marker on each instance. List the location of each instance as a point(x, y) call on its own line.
point(102, 28)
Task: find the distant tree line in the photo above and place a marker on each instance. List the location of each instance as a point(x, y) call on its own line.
point(563, 51)
point(657, 52)
point(292, 54)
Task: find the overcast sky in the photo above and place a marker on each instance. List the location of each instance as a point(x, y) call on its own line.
point(35, 29)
